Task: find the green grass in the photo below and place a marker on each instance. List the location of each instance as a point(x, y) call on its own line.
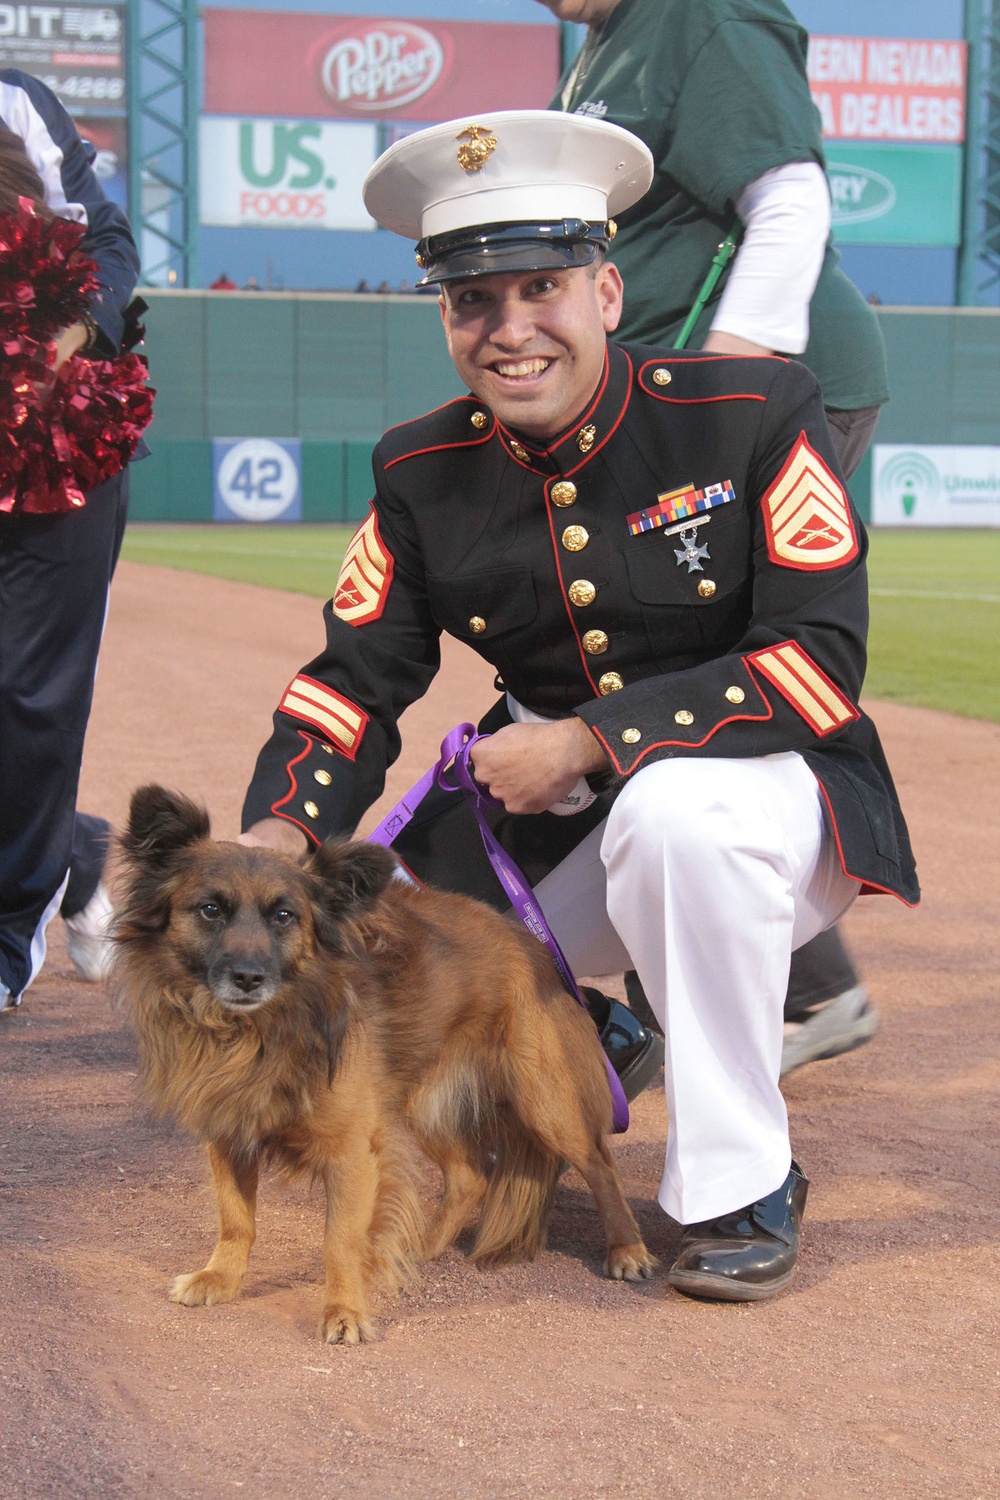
point(303, 559)
point(935, 620)
point(935, 598)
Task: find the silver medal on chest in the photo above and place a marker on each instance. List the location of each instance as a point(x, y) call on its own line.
point(690, 552)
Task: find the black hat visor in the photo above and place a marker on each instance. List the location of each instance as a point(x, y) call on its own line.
point(492, 249)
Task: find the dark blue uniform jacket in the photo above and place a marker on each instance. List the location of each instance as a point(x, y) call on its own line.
point(741, 636)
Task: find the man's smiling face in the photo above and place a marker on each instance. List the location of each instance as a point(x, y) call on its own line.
point(530, 344)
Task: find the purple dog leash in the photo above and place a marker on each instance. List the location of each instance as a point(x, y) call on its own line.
point(455, 748)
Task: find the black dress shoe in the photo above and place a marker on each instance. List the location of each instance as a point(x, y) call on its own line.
point(634, 1051)
point(746, 1255)
point(637, 1002)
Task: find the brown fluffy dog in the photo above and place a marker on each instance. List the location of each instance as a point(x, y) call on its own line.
point(317, 1016)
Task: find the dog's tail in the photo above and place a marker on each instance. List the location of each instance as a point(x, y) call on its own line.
point(515, 1209)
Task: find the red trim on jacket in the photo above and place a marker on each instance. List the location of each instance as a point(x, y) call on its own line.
point(683, 744)
point(868, 888)
point(277, 806)
point(567, 438)
point(482, 436)
point(614, 426)
point(584, 659)
point(660, 364)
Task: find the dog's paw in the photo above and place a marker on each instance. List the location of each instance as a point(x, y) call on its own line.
point(202, 1288)
point(629, 1263)
point(341, 1326)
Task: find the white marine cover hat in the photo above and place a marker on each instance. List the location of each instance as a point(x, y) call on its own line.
point(516, 190)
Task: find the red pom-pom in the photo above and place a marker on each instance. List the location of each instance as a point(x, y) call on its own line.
point(61, 436)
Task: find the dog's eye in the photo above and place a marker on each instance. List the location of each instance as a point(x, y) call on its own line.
point(210, 910)
point(283, 917)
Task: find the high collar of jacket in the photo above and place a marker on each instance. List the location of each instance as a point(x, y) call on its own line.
point(586, 436)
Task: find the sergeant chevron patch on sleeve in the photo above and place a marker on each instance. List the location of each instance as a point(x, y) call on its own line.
point(806, 514)
point(810, 692)
point(365, 576)
point(340, 720)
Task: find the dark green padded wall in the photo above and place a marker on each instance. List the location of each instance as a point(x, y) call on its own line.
point(332, 371)
point(336, 370)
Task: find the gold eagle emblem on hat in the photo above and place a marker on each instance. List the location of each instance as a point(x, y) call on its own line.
point(474, 153)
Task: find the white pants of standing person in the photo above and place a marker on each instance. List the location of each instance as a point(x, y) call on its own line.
point(705, 877)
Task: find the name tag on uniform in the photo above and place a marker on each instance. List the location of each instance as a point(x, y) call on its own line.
point(680, 505)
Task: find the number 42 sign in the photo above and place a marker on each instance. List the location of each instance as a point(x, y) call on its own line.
point(257, 479)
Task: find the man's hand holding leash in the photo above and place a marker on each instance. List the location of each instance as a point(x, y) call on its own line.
point(528, 767)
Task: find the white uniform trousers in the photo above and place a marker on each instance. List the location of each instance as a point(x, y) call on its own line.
point(704, 878)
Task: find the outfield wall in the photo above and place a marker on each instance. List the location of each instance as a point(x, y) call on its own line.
point(323, 375)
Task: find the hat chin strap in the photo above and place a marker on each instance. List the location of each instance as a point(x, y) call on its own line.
point(494, 249)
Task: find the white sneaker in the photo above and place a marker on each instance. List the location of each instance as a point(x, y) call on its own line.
point(87, 939)
point(838, 1025)
point(7, 1000)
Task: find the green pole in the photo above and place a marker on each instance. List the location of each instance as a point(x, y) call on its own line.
point(720, 261)
point(133, 83)
point(968, 261)
point(192, 108)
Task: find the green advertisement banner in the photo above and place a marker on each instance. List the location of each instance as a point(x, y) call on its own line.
point(895, 195)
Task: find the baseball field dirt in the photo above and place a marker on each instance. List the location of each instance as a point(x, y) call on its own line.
point(877, 1374)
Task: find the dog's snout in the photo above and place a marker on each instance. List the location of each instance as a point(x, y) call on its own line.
point(242, 980)
point(247, 977)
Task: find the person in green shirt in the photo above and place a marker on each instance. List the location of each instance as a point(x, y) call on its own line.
point(718, 91)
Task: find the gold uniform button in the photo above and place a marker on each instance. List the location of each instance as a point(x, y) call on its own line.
point(310, 809)
point(477, 624)
point(563, 493)
point(684, 716)
point(610, 683)
point(612, 229)
point(662, 377)
point(519, 452)
point(582, 592)
point(631, 736)
point(575, 538)
point(595, 642)
point(706, 588)
point(479, 419)
point(735, 694)
point(326, 749)
point(586, 438)
point(323, 777)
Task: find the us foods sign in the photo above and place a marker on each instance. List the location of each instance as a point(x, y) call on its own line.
point(285, 174)
point(315, 66)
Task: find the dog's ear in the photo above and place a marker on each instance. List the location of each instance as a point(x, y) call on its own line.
point(351, 876)
point(159, 824)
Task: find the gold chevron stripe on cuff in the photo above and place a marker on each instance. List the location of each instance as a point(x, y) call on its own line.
point(340, 720)
point(810, 692)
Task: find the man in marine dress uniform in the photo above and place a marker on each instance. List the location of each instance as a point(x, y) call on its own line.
point(751, 166)
point(657, 553)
